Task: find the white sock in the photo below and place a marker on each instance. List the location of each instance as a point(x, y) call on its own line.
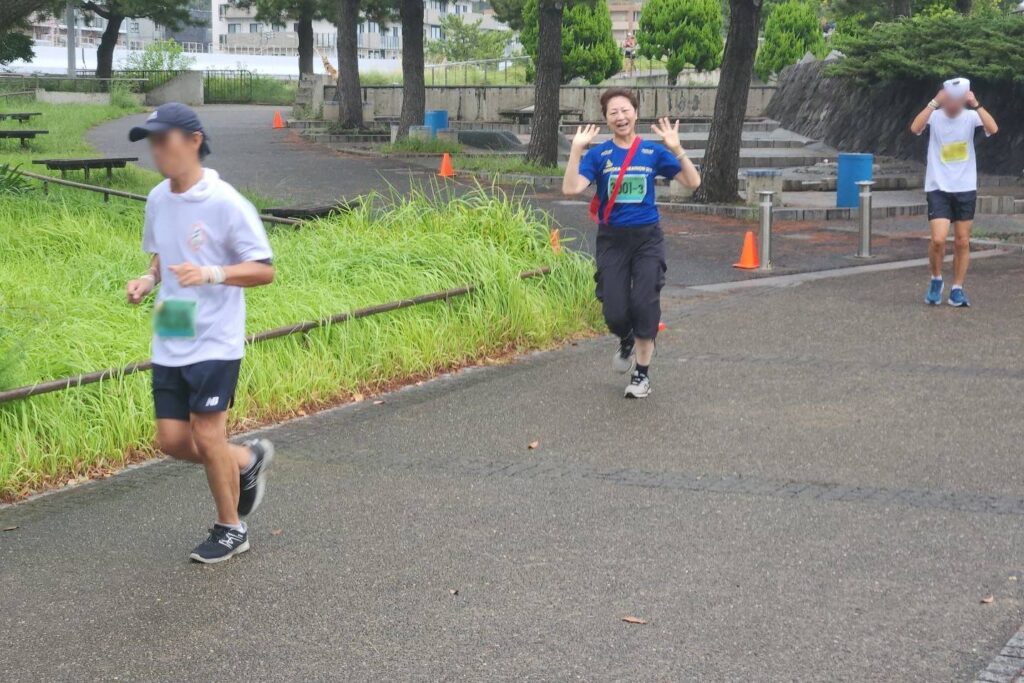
point(937, 277)
point(241, 528)
point(957, 287)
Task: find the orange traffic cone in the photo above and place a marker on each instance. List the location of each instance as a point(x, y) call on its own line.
point(278, 121)
point(446, 170)
point(748, 257)
point(556, 244)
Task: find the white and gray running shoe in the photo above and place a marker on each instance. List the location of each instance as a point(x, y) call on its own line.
point(624, 359)
point(639, 386)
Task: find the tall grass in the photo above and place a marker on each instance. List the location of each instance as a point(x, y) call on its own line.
point(64, 260)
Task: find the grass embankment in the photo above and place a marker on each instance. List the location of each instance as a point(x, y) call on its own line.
point(505, 164)
point(64, 259)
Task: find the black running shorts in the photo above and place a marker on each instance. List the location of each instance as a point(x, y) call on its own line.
point(206, 387)
point(953, 206)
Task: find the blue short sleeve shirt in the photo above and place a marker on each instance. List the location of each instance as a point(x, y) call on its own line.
point(634, 205)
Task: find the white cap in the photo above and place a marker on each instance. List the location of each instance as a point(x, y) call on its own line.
point(957, 88)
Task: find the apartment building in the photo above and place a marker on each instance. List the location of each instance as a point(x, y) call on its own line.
point(625, 17)
point(238, 31)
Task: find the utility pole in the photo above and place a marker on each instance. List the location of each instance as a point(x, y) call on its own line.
point(69, 21)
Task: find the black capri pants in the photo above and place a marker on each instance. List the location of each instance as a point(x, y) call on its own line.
point(630, 274)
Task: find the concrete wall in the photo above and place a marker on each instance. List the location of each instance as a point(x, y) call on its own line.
point(472, 103)
point(54, 97)
point(187, 88)
point(876, 118)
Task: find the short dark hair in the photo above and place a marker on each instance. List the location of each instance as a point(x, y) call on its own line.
point(618, 92)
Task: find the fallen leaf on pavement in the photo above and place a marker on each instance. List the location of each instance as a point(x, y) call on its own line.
point(358, 398)
point(634, 620)
point(988, 600)
point(276, 532)
point(453, 591)
point(533, 445)
point(378, 403)
point(10, 528)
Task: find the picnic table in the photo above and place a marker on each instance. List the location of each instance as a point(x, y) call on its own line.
point(20, 117)
point(525, 114)
point(24, 135)
point(65, 165)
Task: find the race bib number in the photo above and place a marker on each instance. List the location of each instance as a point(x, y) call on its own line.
point(175, 318)
point(953, 152)
point(633, 188)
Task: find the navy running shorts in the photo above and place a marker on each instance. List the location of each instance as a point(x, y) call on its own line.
point(205, 387)
point(953, 206)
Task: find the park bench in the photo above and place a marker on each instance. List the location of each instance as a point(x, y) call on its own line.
point(525, 114)
point(23, 135)
point(65, 165)
point(20, 116)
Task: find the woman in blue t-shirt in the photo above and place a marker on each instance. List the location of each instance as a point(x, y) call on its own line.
point(630, 246)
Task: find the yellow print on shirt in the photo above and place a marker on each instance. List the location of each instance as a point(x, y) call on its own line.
point(953, 152)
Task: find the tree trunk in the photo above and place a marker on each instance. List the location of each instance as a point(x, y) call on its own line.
point(305, 31)
point(105, 50)
point(719, 181)
point(543, 148)
point(902, 8)
point(964, 7)
point(349, 97)
point(414, 96)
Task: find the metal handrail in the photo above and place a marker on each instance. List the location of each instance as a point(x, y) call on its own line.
point(287, 330)
point(108, 191)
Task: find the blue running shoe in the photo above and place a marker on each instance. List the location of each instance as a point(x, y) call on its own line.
point(934, 295)
point(958, 298)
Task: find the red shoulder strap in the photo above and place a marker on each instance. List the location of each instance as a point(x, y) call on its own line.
point(596, 201)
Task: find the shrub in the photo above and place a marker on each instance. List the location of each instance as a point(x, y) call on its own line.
point(682, 32)
point(986, 48)
point(790, 32)
point(421, 146)
point(163, 55)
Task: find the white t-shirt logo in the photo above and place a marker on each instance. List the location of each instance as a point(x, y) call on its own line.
point(197, 236)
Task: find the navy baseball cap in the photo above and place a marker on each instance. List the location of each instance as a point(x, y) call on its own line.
point(168, 117)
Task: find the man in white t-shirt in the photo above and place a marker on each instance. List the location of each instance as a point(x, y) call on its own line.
point(207, 243)
point(951, 181)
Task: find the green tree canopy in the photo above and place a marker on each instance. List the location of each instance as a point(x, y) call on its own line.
point(509, 12)
point(682, 32)
point(465, 41)
point(790, 32)
point(588, 49)
point(986, 48)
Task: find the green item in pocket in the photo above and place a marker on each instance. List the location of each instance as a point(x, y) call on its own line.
point(175, 318)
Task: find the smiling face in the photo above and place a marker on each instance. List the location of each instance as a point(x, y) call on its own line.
point(620, 115)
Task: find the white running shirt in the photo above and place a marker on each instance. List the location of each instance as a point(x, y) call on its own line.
point(952, 166)
point(210, 224)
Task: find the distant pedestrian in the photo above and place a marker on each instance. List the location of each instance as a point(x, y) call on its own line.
point(207, 243)
point(951, 180)
point(629, 50)
point(630, 245)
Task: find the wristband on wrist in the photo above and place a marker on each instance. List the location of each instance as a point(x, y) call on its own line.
point(213, 275)
point(148, 276)
point(933, 104)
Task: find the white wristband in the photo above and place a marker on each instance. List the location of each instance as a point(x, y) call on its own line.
point(148, 276)
point(213, 275)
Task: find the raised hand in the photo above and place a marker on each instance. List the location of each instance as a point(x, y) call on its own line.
point(584, 136)
point(669, 134)
point(972, 100)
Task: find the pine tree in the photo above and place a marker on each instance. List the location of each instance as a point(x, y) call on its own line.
point(682, 32)
point(791, 31)
point(588, 49)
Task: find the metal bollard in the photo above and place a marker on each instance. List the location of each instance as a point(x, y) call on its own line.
point(865, 218)
point(766, 230)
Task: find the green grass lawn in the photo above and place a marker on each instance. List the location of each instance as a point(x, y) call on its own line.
point(504, 164)
point(64, 259)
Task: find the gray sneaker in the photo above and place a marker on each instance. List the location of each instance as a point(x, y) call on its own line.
point(639, 386)
point(624, 359)
point(252, 484)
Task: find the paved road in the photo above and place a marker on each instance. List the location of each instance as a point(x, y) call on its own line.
point(280, 164)
point(824, 486)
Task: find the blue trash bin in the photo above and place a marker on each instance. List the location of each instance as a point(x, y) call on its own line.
point(435, 120)
point(852, 168)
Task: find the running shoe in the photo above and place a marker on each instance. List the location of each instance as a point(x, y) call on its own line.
point(639, 386)
point(222, 544)
point(934, 295)
point(253, 482)
point(958, 298)
point(625, 358)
